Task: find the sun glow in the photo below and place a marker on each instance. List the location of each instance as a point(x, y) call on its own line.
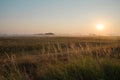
point(100, 27)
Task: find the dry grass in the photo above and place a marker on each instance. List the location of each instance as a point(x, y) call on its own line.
point(59, 58)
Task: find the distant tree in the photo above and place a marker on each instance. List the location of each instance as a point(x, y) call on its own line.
point(49, 34)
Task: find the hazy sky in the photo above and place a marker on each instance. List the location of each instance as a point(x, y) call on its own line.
point(59, 16)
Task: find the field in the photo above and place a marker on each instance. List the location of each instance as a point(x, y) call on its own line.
point(60, 58)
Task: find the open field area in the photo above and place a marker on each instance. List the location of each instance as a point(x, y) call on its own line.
point(59, 39)
point(60, 58)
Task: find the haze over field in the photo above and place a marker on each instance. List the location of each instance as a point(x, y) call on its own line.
point(59, 39)
point(59, 16)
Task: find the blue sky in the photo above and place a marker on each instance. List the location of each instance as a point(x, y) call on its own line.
point(59, 16)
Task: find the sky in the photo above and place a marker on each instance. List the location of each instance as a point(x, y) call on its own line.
point(59, 16)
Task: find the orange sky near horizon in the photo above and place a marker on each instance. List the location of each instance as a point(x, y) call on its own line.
point(60, 17)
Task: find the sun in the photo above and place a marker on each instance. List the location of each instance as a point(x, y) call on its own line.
point(100, 27)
